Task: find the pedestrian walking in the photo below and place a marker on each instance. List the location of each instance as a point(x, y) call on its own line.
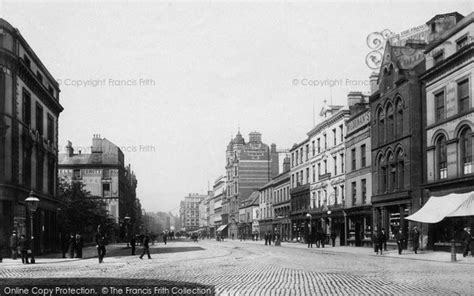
point(79, 245)
point(165, 235)
point(100, 241)
point(400, 238)
point(415, 236)
point(133, 242)
point(146, 247)
point(23, 245)
point(466, 241)
point(266, 238)
point(309, 239)
point(333, 238)
point(384, 239)
point(71, 245)
point(322, 236)
point(64, 244)
point(377, 241)
point(14, 245)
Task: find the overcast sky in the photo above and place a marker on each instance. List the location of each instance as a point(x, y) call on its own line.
point(197, 72)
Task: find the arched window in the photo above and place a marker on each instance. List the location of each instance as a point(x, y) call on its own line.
point(400, 169)
point(441, 158)
point(382, 175)
point(399, 117)
point(390, 123)
point(392, 173)
point(465, 142)
point(381, 126)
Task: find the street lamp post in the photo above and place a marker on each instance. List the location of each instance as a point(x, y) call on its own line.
point(32, 203)
point(330, 225)
point(309, 228)
point(126, 220)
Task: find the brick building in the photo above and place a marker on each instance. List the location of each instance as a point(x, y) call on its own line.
point(249, 165)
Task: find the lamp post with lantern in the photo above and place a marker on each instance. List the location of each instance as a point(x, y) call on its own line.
point(126, 220)
point(32, 203)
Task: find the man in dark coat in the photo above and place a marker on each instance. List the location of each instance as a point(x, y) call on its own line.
point(165, 236)
point(133, 243)
point(333, 238)
point(146, 248)
point(400, 238)
point(384, 239)
point(79, 245)
point(377, 241)
point(24, 245)
point(466, 241)
point(100, 243)
point(72, 245)
point(14, 245)
point(309, 238)
point(415, 235)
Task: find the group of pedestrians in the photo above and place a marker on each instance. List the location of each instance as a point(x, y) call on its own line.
point(73, 246)
point(380, 238)
point(320, 239)
point(18, 246)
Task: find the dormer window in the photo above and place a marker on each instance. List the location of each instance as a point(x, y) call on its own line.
point(438, 57)
point(461, 42)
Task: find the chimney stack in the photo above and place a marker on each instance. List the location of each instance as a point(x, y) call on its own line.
point(69, 149)
point(374, 87)
point(286, 164)
point(96, 144)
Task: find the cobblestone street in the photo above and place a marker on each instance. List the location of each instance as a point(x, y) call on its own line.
point(251, 268)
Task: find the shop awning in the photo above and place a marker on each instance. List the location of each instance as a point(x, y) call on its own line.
point(439, 207)
point(222, 227)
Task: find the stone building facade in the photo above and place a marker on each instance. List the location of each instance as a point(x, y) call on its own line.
point(358, 184)
point(29, 112)
point(449, 119)
point(328, 173)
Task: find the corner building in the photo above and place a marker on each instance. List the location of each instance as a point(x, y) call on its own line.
point(29, 112)
point(449, 121)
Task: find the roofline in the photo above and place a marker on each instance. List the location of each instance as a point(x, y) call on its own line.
point(458, 27)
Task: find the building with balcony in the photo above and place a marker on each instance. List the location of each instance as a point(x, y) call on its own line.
point(358, 179)
point(249, 166)
point(29, 112)
point(327, 163)
point(104, 174)
point(449, 127)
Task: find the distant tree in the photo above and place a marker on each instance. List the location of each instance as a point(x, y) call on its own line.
point(81, 212)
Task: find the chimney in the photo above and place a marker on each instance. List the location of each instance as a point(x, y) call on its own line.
point(273, 148)
point(255, 137)
point(286, 164)
point(96, 144)
point(354, 97)
point(374, 87)
point(69, 149)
